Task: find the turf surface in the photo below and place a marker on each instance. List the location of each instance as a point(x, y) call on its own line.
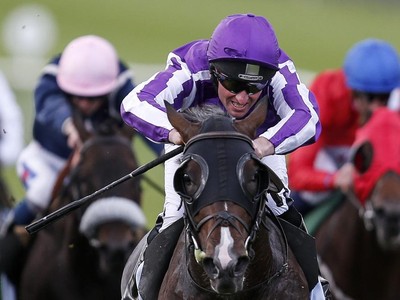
point(315, 33)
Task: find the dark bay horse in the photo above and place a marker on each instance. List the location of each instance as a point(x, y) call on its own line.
point(359, 243)
point(230, 248)
point(82, 255)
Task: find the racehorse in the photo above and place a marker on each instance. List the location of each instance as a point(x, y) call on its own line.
point(359, 243)
point(231, 248)
point(82, 255)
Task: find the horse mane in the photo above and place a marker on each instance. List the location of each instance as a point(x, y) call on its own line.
point(203, 112)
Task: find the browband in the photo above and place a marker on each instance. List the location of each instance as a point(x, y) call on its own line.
point(218, 135)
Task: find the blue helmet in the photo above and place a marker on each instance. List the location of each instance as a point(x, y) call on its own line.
point(372, 66)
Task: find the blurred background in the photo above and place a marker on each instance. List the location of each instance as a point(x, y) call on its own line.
point(315, 33)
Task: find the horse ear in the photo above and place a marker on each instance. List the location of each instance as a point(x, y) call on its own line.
point(186, 128)
point(249, 125)
point(362, 157)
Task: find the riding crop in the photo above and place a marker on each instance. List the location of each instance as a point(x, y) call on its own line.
point(41, 223)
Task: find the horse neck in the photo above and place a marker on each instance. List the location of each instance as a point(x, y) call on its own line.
point(354, 214)
point(270, 251)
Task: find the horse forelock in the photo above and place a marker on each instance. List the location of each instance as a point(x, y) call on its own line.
point(203, 112)
point(212, 118)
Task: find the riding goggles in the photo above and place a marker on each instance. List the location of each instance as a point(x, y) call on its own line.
point(236, 86)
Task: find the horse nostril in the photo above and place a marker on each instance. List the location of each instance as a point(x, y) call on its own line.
point(393, 226)
point(210, 268)
point(241, 266)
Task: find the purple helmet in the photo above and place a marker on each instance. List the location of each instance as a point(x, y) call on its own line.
point(88, 67)
point(243, 41)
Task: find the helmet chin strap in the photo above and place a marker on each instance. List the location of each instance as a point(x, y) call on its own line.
point(214, 79)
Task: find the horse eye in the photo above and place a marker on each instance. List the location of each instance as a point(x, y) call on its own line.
point(190, 178)
point(252, 183)
point(187, 181)
point(253, 177)
point(189, 184)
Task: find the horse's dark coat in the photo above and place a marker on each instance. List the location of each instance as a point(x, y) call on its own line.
point(359, 243)
point(61, 263)
point(263, 268)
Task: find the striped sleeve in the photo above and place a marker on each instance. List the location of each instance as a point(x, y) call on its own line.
point(297, 109)
point(143, 108)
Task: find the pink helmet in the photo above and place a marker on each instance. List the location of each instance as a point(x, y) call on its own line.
point(88, 67)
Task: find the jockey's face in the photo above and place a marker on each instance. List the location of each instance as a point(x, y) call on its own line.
point(88, 105)
point(237, 105)
point(365, 104)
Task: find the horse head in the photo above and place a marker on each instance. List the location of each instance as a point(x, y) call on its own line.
point(113, 226)
point(114, 223)
point(222, 184)
point(377, 185)
point(89, 247)
point(366, 224)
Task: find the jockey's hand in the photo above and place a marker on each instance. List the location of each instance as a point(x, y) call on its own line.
point(263, 147)
point(344, 177)
point(74, 140)
point(175, 137)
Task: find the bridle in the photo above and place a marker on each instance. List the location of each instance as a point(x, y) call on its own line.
point(254, 204)
point(91, 142)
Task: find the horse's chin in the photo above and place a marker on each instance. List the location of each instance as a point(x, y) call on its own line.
point(388, 241)
point(227, 286)
point(389, 244)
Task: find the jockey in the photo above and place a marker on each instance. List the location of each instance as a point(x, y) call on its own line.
point(87, 76)
point(369, 93)
point(240, 64)
point(347, 98)
point(11, 125)
point(312, 169)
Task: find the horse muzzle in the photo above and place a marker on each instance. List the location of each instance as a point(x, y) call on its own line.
point(388, 232)
point(228, 279)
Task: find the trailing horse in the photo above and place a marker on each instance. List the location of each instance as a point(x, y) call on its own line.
point(231, 247)
point(82, 255)
point(359, 243)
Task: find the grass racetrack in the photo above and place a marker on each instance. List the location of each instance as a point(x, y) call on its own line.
point(315, 33)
